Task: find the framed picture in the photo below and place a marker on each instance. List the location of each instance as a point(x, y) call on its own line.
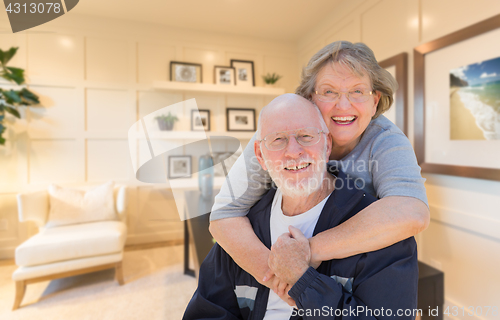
point(179, 167)
point(398, 67)
point(244, 73)
point(224, 76)
point(240, 119)
point(457, 102)
point(200, 120)
point(185, 72)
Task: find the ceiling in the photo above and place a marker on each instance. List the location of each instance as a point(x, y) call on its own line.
point(285, 20)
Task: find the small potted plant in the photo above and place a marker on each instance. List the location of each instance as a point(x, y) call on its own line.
point(166, 122)
point(271, 79)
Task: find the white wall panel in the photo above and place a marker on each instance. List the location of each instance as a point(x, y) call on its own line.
point(55, 56)
point(208, 58)
point(470, 262)
point(154, 62)
point(59, 116)
point(107, 60)
point(8, 217)
point(150, 101)
point(440, 18)
point(306, 55)
point(110, 111)
point(388, 28)
point(284, 67)
point(12, 163)
point(351, 31)
point(108, 160)
point(56, 161)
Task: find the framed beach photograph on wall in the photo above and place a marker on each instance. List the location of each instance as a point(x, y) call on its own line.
point(244, 73)
point(397, 66)
point(240, 119)
point(457, 102)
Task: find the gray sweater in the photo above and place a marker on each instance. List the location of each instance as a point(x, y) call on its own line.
point(382, 164)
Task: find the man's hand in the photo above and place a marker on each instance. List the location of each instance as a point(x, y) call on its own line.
point(290, 256)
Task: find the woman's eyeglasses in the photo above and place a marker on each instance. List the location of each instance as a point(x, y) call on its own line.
point(356, 95)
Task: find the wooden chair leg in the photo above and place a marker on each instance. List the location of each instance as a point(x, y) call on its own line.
point(20, 290)
point(119, 273)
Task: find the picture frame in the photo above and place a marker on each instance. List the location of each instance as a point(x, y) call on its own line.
point(244, 72)
point(200, 120)
point(224, 76)
point(441, 155)
point(179, 167)
point(398, 66)
point(240, 119)
point(186, 72)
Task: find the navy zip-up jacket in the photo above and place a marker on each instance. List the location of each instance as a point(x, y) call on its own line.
point(376, 285)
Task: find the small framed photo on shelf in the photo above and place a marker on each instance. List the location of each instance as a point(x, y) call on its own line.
point(179, 167)
point(185, 72)
point(200, 120)
point(244, 73)
point(240, 119)
point(224, 75)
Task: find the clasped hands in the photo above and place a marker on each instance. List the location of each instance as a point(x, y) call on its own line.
point(289, 259)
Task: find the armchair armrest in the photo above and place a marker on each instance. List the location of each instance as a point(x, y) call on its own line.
point(121, 202)
point(33, 207)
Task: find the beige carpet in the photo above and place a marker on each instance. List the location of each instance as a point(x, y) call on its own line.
point(155, 288)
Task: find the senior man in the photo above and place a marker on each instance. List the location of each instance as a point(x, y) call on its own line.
point(293, 145)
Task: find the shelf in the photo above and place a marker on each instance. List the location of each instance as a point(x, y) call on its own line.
point(217, 88)
point(192, 183)
point(198, 135)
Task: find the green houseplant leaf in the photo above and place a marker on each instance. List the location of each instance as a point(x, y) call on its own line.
point(11, 99)
point(15, 74)
point(13, 111)
point(5, 56)
point(28, 97)
point(271, 78)
point(12, 96)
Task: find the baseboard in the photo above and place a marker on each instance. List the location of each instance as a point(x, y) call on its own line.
point(133, 239)
point(7, 253)
point(152, 245)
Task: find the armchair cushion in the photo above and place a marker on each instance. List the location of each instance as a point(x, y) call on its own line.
point(70, 206)
point(72, 242)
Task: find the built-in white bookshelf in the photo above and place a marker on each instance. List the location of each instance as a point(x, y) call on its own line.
point(216, 88)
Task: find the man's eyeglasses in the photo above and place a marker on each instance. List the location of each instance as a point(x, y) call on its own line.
point(305, 137)
point(355, 95)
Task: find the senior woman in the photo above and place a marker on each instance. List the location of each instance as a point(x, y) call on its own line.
point(352, 91)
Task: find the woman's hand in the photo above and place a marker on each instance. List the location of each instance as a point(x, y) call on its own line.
point(290, 256)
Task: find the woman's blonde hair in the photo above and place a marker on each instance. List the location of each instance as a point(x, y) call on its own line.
point(358, 58)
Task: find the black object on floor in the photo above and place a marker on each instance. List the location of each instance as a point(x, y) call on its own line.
point(430, 291)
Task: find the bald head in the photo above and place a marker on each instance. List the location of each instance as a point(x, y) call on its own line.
point(276, 115)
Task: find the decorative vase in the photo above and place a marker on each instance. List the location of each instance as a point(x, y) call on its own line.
point(206, 176)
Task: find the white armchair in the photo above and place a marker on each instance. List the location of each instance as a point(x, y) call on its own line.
point(68, 250)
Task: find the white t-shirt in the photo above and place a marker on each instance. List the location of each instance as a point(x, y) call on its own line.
point(278, 309)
